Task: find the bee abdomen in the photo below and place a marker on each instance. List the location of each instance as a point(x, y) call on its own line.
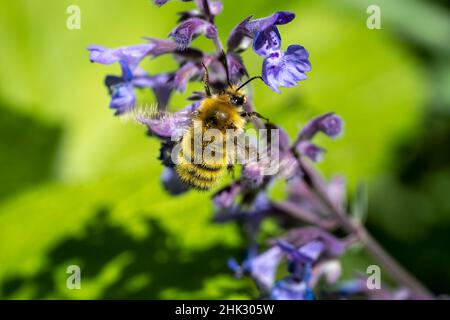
point(199, 177)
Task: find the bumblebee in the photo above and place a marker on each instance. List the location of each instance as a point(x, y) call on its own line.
point(221, 112)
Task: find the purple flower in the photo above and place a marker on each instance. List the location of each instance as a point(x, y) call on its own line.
point(253, 174)
point(210, 7)
point(267, 42)
point(262, 268)
point(307, 253)
point(248, 28)
point(236, 67)
point(290, 289)
point(189, 29)
point(121, 90)
point(131, 55)
point(172, 182)
point(306, 148)
point(187, 72)
point(300, 237)
point(329, 123)
point(285, 69)
point(226, 198)
point(160, 2)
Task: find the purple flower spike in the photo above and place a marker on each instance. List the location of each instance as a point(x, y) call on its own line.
point(184, 33)
point(267, 42)
point(329, 123)
point(285, 69)
point(310, 150)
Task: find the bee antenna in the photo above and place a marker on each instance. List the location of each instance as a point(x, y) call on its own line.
point(248, 81)
point(206, 80)
point(224, 60)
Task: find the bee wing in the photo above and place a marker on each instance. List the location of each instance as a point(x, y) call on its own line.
point(164, 123)
point(269, 161)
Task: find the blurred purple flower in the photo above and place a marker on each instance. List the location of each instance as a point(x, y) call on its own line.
point(226, 198)
point(262, 268)
point(331, 246)
point(306, 148)
point(172, 183)
point(189, 29)
point(329, 123)
point(210, 7)
point(253, 174)
point(291, 289)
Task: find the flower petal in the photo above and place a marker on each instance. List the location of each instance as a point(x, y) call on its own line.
point(267, 41)
point(286, 69)
point(121, 90)
point(306, 148)
point(247, 29)
point(253, 173)
point(240, 37)
point(131, 55)
point(329, 123)
point(185, 32)
point(122, 98)
point(278, 18)
point(289, 289)
point(299, 237)
point(161, 84)
point(263, 267)
point(160, 2)
point(187, 72)
point(236, 67)
point(225, 198)
point(172, 182)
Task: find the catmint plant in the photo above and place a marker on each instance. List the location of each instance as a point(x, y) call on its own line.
point(308, 255)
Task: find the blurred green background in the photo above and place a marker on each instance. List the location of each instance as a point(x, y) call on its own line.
point(79, 186)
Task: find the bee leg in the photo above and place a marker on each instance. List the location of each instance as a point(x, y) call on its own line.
point(206, 81)
point(253, 115)
point(230, 169)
